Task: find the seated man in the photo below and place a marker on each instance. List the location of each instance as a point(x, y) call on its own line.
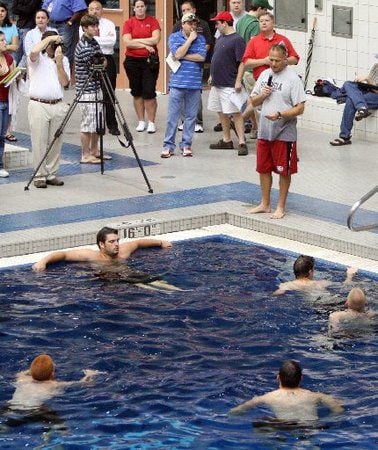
point(304, 277)
point(38, 384)
point(358, 105)
point(290, 402)
point(354, 317)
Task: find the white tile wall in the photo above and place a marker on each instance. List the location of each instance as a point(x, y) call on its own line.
point(338, 58)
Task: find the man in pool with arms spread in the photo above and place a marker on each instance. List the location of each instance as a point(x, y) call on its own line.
point(111, 254)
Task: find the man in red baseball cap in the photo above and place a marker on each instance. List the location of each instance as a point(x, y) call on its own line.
point(228, 53)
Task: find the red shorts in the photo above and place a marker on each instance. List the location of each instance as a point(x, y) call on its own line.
point(276, 156)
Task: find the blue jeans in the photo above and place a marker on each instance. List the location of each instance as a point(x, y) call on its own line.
point(356, 99)
point(186, 100)
point(4, 119)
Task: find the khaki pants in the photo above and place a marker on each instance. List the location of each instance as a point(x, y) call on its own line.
point(44, 120)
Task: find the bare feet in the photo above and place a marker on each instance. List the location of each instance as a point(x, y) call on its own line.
point(278, 214)
point(260, 209)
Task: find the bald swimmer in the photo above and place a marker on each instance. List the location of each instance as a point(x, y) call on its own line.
point(354, 316)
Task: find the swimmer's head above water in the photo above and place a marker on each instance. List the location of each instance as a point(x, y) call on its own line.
point(42, 368)
point(108, 241)
point(304, 267)
point(356, 300)
point(290, 374)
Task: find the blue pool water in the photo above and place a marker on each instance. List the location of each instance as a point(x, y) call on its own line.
point(177, 362)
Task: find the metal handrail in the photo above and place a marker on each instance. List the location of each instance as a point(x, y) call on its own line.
point(354, 209)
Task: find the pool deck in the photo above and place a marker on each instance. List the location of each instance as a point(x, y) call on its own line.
point(213, 187)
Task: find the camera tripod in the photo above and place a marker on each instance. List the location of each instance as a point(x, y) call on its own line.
point(97, 72)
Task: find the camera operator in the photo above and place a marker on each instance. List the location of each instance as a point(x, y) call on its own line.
point(49, 74)
point(106, 38)
point(86, 54)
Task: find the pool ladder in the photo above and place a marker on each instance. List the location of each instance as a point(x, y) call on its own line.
point(355, 208)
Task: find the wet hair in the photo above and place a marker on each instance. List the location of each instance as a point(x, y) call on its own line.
point(302, 266)
point(290, 374)
point(42, 10)
point(88, 20)
point(6, 21)
point(42, 367)
point(101, 235)
point(356, 300)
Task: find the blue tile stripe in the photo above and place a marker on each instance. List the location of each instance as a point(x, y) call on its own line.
point(242, 191)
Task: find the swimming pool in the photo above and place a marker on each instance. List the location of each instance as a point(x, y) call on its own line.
point(177, 362)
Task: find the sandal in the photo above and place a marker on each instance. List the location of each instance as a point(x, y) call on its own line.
point(11, 137)
point(340, 141)
point(362, 113)
point(166, 153)
point(187, 152)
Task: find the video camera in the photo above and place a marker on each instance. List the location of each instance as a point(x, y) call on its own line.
point(97, 59)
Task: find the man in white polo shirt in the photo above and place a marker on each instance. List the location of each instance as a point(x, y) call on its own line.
point(49, 74)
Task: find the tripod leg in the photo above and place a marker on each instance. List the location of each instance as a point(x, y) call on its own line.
point(125, 128)
point(101, 133)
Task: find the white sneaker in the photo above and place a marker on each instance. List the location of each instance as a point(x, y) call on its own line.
point(198, 128)
point(180, 127)
point(4, 173)
point(141, 125)
point(151, 128)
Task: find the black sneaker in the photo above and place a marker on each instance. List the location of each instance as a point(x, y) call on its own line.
point(114, 131)
point(218, 127)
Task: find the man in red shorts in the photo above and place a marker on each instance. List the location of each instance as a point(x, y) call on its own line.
point(280, 94)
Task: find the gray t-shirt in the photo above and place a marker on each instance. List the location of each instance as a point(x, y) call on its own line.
point(287, 92)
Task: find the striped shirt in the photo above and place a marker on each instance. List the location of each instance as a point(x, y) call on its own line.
point(84, 51)
point(189, 75)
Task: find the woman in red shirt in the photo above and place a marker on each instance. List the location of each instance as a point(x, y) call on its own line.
point(6, 65)
point(141, 34)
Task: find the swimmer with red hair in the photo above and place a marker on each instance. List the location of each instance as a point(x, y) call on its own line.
point(37, 384)
point(42, 368)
